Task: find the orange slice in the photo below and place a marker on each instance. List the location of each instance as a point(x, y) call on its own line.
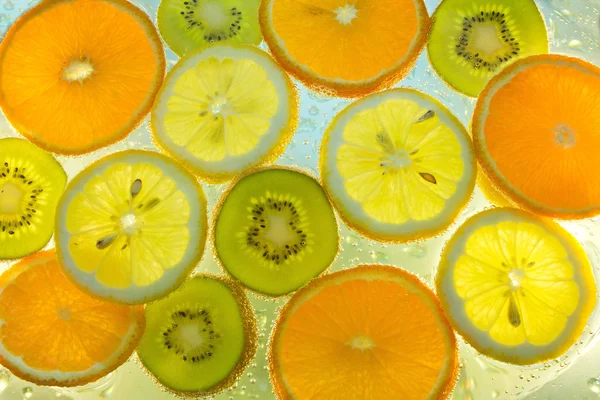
point(53, 334)
point(83, 86)
point(371, 332)
point(535, 132)
point(345, 48)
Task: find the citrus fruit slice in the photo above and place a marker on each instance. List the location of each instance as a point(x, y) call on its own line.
point(275, 230)
point(345, 48)
point(225, 109)
point(31, 183)
point(397, 165)
point(51, 333)
point(131, 226)
point(83, 86)
point(192, 25)
point(200, 338)
point(472, 40)
point(370, 332)
point(519, 288)
point(535, 136)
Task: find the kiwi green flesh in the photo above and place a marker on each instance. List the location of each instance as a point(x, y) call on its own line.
point(187, 25)
point(31, 183)
point(276, 230)
point(473, 40)
point(194, 337)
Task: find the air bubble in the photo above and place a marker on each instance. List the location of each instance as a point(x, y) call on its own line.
point(27, 392)
point(313, 110)
point(4, 379)
point(594, 385)
point(416, 250)
point(9, 5)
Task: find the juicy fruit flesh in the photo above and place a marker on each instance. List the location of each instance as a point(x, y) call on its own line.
point(517, 283)
point(129, 225)
point(11, 197)
point(379, 336)
point(400, 162)
point(558, 150)
point(69, 102)
point(53, 326)
point(196, 336)
point(471, 41)
point(221, 108)
point(351, 43)
point(275, 231)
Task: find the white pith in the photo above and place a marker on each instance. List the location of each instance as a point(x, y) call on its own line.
point(346, 14)
point(78, 70)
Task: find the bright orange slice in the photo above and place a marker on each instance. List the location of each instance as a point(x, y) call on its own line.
point(371, 332)
point(77, 75)
point(345, 48)
point(535, 130)
point(51, 333)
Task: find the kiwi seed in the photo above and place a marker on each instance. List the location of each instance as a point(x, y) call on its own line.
point(290, 210)
point(480, 60)
point(171, 337)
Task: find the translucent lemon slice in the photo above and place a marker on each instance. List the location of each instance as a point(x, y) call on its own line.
point(131, 226)
point(518, 287)
point(398, 165)
point(225, 109)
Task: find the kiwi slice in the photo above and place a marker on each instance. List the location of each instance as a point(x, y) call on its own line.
point(275, 230)
point(472, 40)
point(31, 183)
point(193, 24)
point(201, 337)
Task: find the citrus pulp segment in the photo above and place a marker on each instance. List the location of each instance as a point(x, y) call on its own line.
point(345, 48)
point(535, 135)
point(51, 333)
point(192, 25)
point(131, 226)
point(519, 288)
point(83, 86)
point(201, 337)
point(397, 165)
point(275, 230)
point(31, 183)
point(473, 40)
point(225, 109)
point(370, 332)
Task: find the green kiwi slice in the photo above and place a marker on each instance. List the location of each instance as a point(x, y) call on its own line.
point(275, 230)
point(31, 183)
point(193, 24)
point(472, 40)
point(200, 338)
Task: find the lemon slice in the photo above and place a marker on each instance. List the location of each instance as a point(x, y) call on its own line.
point(131, 226)
point(225, 109)
point(518, 287)
point(398, 165)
